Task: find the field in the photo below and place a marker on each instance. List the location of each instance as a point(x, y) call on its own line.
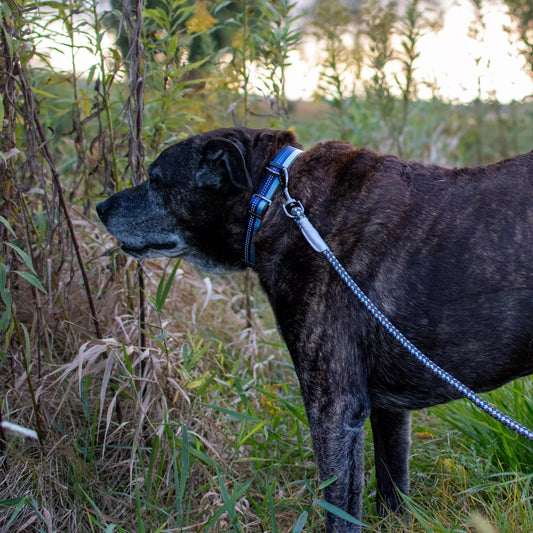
point(164, 399)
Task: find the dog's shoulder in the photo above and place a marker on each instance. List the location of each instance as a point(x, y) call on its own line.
point(342, 161)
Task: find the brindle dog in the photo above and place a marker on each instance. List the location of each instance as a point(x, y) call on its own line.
point(446, 254)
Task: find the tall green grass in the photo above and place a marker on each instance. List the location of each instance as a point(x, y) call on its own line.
point(497, 443)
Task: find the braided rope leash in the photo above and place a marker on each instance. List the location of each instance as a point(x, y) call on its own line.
point(294, 209)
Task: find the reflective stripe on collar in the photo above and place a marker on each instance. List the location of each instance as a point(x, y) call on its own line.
point(261, 200)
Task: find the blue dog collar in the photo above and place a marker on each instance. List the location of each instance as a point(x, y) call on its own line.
point(261, 200)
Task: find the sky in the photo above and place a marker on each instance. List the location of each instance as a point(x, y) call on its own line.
point(456, 64)
point(450, 56)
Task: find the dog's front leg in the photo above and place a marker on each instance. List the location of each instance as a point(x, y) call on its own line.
point(337, 419)
point(392, 441)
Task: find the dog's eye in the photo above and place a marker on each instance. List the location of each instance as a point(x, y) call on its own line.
point(154, 177)
point(154, 183)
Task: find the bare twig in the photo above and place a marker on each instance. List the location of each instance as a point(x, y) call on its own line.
point(136, 151)
point(134, 110)
point(2, 437)
point(45, 150)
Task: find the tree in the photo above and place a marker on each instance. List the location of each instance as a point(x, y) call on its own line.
point(521, 13)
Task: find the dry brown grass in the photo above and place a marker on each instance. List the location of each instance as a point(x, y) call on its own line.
point(109, 408)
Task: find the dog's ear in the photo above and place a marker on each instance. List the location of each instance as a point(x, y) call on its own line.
point(222, 159)
point(285, 138)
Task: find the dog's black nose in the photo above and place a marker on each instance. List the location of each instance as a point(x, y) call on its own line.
point(102, 209)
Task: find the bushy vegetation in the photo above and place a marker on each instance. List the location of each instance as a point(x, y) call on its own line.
point(164, 400)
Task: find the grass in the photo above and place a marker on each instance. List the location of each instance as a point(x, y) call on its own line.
point(185, 413)
point(203, 428)
point(212, 435)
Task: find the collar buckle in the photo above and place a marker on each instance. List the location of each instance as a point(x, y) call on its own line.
point(259, 205)
point(261, 198)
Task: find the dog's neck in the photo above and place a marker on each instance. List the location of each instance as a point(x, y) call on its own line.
point(277, 173)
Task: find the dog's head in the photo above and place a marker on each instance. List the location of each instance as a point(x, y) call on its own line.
point(195, 200)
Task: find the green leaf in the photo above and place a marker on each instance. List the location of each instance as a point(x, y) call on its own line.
point(8, 299)
point(127, 360)
point(255, 429)
point(34, 280)
point(227, 498)
point(90, 75)
point(24, 256)
point(8, 226)
point(204, 458)
point(164, 288)
point(221, 6)
point(300, 523)
point(12, 502)
point(53, 5)
point(173, 46)
point(328, 482)
point(185, 460)
point(19, 503)
point(3, 278)
point(233, 415)
point(333, 509)
point(27, 347)
point(40, 92)
point(272, 508)
point(9, 42)
point(158, 16)
point(5, 320)
point(229, 504)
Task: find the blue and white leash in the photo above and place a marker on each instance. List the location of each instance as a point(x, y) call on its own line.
point(424, 359)
point(294, 209)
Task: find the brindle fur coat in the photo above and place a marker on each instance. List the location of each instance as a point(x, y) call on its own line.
point(446, 254)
